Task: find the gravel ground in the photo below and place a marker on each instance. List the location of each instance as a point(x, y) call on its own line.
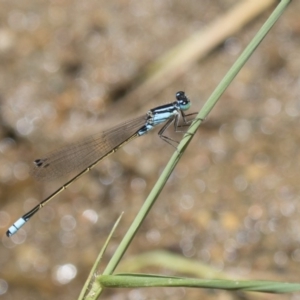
point(232, 201)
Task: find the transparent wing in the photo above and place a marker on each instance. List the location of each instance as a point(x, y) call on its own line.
point(80, 155)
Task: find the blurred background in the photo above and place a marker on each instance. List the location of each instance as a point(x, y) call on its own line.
point(73, 68)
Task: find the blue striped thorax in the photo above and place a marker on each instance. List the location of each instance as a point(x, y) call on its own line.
point(161, 114)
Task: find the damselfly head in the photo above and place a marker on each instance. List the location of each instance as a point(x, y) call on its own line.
point(183, 101)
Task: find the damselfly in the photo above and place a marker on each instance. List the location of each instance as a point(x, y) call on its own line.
point(82, 156)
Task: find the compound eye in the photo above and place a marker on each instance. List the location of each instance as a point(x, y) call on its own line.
point(180, 95)
point(182, 101)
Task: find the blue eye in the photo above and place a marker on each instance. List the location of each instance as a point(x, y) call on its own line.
point(185, 105)
point(183, 101)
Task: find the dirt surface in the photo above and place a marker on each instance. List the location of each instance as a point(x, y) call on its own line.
point(233, 201)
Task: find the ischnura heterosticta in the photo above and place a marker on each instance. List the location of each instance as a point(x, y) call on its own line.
point(84, 155)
